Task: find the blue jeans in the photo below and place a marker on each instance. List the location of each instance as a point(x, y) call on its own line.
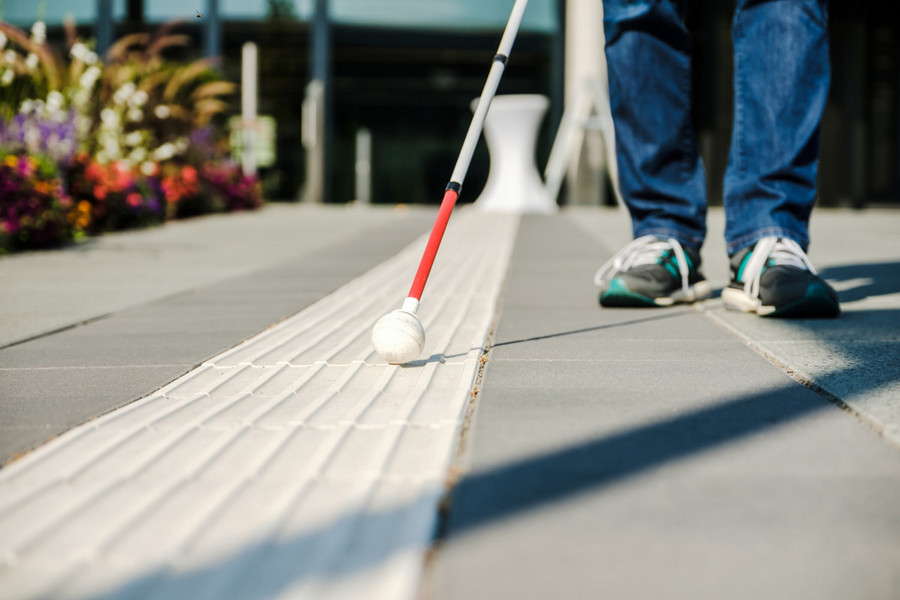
point(781, 79)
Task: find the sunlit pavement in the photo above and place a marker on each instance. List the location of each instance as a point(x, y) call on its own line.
point(195, 411)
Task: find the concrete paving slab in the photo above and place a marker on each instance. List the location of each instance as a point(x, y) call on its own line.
point(853, 357)
point(296, 464)
point(121, 270)
point(616, 453)
point(678, 475)
point(39, 404)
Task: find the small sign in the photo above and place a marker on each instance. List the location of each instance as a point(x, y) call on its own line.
point(264, 131)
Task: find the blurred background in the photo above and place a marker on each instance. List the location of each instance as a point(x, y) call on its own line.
point(397, 76)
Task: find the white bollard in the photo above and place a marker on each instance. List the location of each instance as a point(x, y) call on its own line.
point(363, 166)
point(514, 183)
point(248, 106)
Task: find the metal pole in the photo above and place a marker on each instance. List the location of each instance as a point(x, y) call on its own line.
point(104, 26)
point(212, 30)
point(321, 75)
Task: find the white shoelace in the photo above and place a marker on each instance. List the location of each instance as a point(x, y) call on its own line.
point(782, 251)
point(646, 250)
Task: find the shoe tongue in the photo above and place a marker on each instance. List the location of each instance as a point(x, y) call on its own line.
point(652, 253)
point(779, 254)
point(784, 255)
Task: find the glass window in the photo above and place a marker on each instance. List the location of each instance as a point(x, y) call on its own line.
point(429, 14)
point(443, 14)
point(22, 13)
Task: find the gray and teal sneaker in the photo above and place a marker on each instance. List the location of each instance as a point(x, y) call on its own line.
point(652, 271)
point(774, 278)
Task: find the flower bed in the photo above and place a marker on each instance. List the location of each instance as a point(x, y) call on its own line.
point(35, 210)
point(90, 145)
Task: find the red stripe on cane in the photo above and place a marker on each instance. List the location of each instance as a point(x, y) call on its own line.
point(434, 242)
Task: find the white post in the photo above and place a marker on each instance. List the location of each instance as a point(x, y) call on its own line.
point(312, 128)
point(585, 63)
point(363, 166)
point(248, 106)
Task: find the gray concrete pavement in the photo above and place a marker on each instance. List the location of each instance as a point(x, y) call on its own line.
point(656, 454)
point(685, 452)
point(91, 328)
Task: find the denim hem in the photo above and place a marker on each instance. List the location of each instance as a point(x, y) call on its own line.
point(751, 238)
point(683, 238)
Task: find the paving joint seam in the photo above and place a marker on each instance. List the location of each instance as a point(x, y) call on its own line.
point(455, 468)
point(57, 330)
point(886, 432)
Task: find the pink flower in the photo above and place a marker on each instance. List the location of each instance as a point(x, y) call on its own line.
point(189, 174)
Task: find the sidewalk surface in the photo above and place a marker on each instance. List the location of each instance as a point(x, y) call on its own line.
point(194, 411)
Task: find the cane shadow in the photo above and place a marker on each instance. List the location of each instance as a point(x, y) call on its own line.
point(442, 357)
point(273, 564)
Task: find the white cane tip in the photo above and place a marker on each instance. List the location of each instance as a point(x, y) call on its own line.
point(398, 337)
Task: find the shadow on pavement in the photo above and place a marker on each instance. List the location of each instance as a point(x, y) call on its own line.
point(874, 279)
point(271, 566)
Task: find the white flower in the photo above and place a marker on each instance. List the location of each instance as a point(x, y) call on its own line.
point(135, 114)
point(109, 117)
point(148, 168)
point(111, 145)
point(138, 155)
point(32, 61)
point(89, 77)
point(2, 40)
point(79, 51)
point(138, 99)
point(83, 126)
point(91, 58)
point(181, 144)
point(27, 106)
point(164, 152)
point(162, 111)
point(81, 98)
point(124, 93)
point(39, 32)
point(134, 138)
point(54, 101)
point(7, 77)
point(10, 56)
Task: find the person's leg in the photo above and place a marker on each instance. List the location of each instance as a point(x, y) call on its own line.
point(660, 173)
point(661, 176)
point(781, 79)
point(781, 86)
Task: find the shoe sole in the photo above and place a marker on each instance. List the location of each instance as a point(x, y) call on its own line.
point(622, 297)
point(815, 304)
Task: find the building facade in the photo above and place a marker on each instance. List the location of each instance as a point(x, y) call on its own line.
point(406, 70)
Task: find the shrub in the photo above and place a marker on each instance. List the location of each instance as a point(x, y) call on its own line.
point(236, 190)
point(120, 196)
point(35, 210)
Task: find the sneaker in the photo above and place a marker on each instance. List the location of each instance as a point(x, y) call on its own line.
point(652, 271)
point(774, 278)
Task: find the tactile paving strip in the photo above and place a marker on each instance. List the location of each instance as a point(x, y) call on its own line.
point(295, 465)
